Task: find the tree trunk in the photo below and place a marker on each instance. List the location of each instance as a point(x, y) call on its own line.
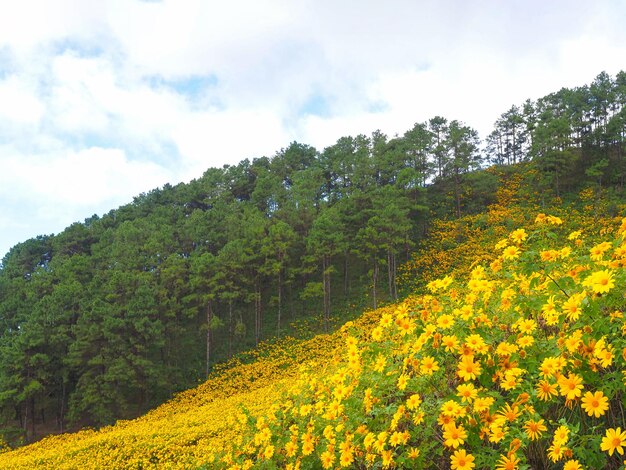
point(346, 286)
point(389, 275)
point(62, 409)
point(33, 417)
point(558, 192)
point(374, 282)
point(280, 298)
point(24, 423)
point(257, 311)
point(230, 328)
point(457, 193)
point(620, 165)
point(326, 286)
point(209, 318)
point(394, 288)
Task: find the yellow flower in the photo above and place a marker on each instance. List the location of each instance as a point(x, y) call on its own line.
point(468, 369)
point(307, 448)
point(305, 410)
point(483, 403)
point(571, 386)
point(402, 381)
point(406, 326)
point(291, 448)
point(572, 465)
point(452, 409)
point(549, 255)
point(518, 236)
point(534, 429)
point(496, 433)
point(327, 458)
point(380, 363)
point(506, 349)
point(507, 414)
point(414, 453)
point(574, 235)
point(387, 456)
point(603, 354)
point(377, 333)
point(413, 402)
point(381, 441)
point(597, 252)
point(526, 326)
point(445, 321)
point(386, 320)
point(347, 458)
point(549, 366)
point(501, 244)
point(446, 281)
point(476, 343)
point(595, 404)
point(369, 440)
point(600, 282)
point(396, 439)
point(511, 252)
point(450, 343)
point(461, 460)
point(508, 462)
point(510, 381)
point(525, 341)
point(269, 451)
point(561, 435)
point(454, 436)
point(467, 392)
point(614, 440)
point(572, 306)
point(429, 365)
point(573, 341)
point(556, 452)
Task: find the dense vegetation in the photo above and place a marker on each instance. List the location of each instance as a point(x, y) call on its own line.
point(387, 390)
point(113, 315)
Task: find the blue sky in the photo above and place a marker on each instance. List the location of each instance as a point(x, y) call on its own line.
point(100, 101)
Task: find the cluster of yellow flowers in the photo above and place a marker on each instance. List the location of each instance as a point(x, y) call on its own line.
point(516, 359)
point(190, 429)
point(522, 363)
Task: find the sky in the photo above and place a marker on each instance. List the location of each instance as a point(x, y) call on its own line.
point(101, 100)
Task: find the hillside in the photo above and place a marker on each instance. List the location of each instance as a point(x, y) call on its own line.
point(512, 357)
point(116, 314)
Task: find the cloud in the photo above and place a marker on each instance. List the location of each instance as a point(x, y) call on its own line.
point(83, 178)
point(102, 100)
point(44, 193)
point(20, 103)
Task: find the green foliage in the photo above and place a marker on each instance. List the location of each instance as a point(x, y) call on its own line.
point(105, 319)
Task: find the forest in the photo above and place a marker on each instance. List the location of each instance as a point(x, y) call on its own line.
point(115, 314)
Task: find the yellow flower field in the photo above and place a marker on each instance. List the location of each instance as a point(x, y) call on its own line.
point(513, 357)
point(520, 364)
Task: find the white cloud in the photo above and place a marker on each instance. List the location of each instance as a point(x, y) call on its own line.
point(47, 192)
point(213, 139)
point(30, 24)
point(20, 103)
point(90, 113)
point(83, 178)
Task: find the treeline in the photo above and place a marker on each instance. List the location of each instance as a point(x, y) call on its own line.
point(113, 315)
point(573, 136)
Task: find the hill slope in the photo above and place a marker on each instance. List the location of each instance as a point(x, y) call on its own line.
point(113, 316)
point(514, 357)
